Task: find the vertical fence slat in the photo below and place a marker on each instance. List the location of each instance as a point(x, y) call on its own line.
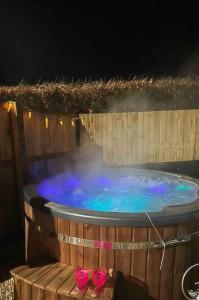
point(9, 201)
point(6, 147)
point(151, 137)
point(15, 118)
point(162, 137)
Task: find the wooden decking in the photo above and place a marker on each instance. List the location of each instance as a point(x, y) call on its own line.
point(52, 281)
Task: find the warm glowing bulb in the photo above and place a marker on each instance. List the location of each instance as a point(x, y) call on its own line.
point(46, 121)
point(73, 122)
point(82, 120)
point(9, 106)
point(29, 114)
point(61, 122)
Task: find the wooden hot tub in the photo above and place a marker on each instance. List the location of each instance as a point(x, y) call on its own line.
point(120, 241)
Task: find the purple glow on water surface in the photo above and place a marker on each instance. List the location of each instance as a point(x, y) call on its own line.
point(158, 189)
point(118, 191)
point(72, 182)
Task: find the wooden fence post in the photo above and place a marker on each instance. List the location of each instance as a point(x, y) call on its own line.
point(15, 112)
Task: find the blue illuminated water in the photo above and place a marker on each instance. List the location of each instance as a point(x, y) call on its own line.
point(118, 190)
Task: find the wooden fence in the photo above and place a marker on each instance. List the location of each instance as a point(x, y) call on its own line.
point(48, 143)
point(29, 149)
point(56, 138)
point(144, 137)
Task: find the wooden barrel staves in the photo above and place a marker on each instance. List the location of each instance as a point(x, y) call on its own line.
point(135, 251)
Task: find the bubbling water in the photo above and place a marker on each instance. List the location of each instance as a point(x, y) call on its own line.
point(119, 190)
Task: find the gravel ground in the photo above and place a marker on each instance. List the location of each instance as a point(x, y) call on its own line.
point(7, 290)
point(11, 255)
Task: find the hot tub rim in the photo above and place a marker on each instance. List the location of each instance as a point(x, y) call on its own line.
point(169, 215)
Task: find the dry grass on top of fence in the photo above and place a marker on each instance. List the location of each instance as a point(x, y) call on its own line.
point(100, 96)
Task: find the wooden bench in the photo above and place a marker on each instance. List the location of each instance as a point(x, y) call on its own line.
point(52, 281)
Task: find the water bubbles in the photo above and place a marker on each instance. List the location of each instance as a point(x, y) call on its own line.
point(117, 192)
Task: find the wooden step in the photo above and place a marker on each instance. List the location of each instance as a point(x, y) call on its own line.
point(53, 281)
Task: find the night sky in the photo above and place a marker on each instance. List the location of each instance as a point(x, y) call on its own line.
point(71, 40)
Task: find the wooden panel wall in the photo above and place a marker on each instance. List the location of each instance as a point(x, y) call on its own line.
point(144, 137)
point(40, 141)
point(47, 149)
point(9, 202)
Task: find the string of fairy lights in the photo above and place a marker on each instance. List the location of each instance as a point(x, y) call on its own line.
point(12, 105)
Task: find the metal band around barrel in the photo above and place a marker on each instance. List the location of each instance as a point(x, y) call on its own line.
point(118, 245)
point(107, 245)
